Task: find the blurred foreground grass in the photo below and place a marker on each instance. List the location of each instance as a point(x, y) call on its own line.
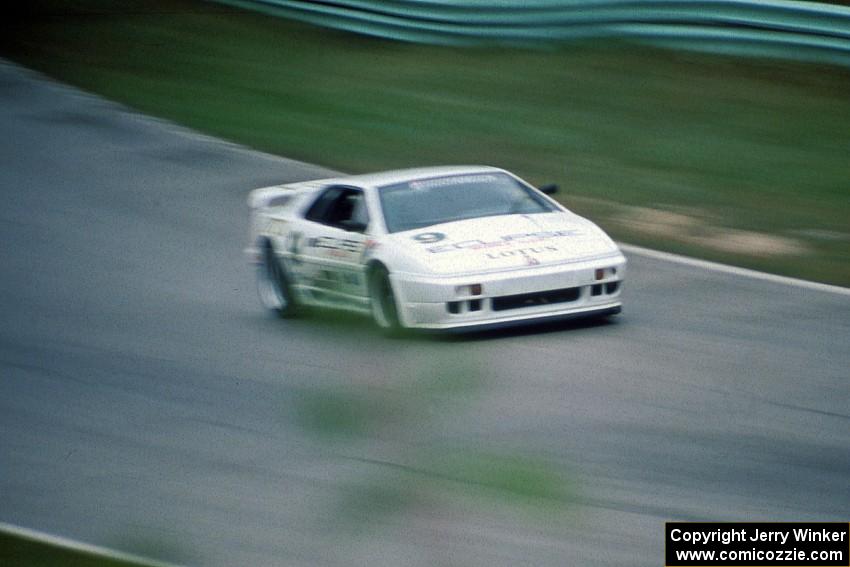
point(737, 160)
point(419, 467)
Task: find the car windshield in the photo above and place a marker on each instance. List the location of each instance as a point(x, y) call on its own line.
point(426, 202)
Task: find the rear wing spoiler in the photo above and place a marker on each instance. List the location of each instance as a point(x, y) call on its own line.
point(278, 195)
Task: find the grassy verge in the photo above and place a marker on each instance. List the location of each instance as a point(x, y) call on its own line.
point(24, 552)
point(743, 161)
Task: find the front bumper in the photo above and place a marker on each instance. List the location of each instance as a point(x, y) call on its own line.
point(512, 297)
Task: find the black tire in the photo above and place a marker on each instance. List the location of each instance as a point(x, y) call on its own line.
point(383, 302)
point(273, 285)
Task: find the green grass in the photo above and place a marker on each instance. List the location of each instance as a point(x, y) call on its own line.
point(24, 552)
point(727, 144)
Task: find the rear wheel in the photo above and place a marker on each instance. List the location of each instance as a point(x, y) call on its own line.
point(273, 285)
point(382, 299)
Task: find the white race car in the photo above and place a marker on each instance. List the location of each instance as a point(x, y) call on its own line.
point(431, 248)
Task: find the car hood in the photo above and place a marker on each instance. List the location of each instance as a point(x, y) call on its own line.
point(504, 242)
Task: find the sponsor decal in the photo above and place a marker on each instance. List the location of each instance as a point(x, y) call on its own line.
point(455, 180)
point(506, 240)
point(330, 243)
point(527, 252)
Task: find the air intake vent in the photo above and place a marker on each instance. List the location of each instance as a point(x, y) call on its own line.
point(534, 299)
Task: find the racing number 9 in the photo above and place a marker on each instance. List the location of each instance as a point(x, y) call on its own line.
point(429, 237)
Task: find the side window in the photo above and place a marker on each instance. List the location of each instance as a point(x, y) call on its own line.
point(319, 209)
point(342, 207)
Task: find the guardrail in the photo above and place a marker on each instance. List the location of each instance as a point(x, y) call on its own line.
point(783, 28)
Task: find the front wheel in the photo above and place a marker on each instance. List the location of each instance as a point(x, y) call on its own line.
point(273, 285)
point(382, 299)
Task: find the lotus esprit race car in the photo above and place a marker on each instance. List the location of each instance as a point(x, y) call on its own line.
point(431, 248)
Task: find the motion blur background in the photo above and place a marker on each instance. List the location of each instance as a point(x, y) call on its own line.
point(148, 404)
point(730, 158)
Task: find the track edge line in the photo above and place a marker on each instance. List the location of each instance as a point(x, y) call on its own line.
point(733, 270)
point(81, 547)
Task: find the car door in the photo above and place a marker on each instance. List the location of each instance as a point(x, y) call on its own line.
point(331, 246)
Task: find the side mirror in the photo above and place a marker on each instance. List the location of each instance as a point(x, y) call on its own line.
point(353, 225)
point(550, 189)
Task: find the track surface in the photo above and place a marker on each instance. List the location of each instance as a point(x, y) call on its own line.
point(146, 399)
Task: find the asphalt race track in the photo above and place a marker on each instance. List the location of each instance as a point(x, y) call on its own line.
point(146, 400)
